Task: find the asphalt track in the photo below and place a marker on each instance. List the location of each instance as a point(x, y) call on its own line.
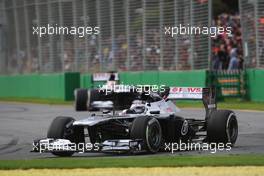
point(21, 123)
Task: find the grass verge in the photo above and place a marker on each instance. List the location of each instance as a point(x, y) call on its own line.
point(124, 162)
point(231, 103)
point(36, 101)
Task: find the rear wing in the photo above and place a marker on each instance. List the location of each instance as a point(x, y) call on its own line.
point(104, 76)
point(207, 95)
point(185, 93)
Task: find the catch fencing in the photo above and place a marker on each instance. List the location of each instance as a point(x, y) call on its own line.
point(131, 35)
point(252, 22)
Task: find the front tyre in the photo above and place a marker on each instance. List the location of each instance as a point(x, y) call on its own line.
point(222, 127)
point(61, 128)
point(149, 130)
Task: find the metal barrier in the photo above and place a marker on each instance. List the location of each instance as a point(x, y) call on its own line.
point(252, 21)
point(131, 35)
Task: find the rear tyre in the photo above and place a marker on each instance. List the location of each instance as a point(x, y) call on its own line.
point(222, 127)
point(81, 97)
point(149, 130)
point(61, 128)
point(93, 95)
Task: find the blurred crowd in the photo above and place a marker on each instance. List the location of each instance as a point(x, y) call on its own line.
point(227, 49)
point(159, 53)
point(85, 56)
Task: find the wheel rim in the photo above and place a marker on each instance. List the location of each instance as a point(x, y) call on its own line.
point(153, 135)
point(75, 99)
point(232, 129)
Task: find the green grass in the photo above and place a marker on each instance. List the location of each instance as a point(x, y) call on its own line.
point(134, 161)
point(231, 103)
point(226, 104)
point(36, 101)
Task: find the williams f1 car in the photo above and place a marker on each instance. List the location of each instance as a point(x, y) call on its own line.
point(104, 98)
point(109, 96)
point(146, 126)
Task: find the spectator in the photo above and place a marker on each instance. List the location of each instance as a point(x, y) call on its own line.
point(234, 63)
point(223, 57)
point(227, 56)
point(215, 59)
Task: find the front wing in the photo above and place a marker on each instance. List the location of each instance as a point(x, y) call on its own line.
point(50, 145)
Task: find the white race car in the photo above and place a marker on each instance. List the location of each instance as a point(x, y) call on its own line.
point(146, 126)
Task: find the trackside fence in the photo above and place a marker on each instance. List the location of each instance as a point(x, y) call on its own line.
point(245, 84)
point(131, 35)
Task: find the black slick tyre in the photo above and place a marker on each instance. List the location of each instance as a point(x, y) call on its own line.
point(222, 127)
point(149, 130)
point(81, 97)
